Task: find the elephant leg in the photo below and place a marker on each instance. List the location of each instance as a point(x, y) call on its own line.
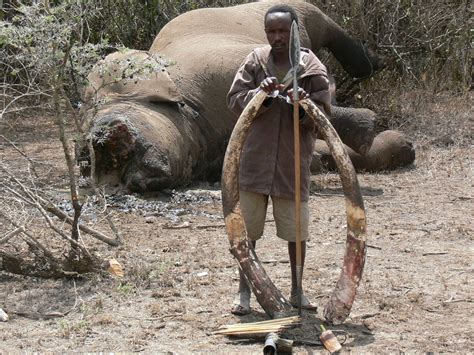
point(389, 151)
point(355, 127)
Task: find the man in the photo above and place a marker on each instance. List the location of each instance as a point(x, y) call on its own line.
point(267, 160)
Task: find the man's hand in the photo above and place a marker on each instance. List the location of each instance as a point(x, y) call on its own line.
point(270, 84)
point(301, 94)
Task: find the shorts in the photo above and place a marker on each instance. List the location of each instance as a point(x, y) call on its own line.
point(254, 212)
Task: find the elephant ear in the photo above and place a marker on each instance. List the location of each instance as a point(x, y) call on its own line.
point(131, 75)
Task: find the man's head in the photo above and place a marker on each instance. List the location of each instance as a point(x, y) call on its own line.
point(278, 20)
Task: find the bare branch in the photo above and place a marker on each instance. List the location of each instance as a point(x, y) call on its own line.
point(10, 235)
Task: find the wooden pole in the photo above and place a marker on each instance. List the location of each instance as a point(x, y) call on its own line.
point(299, 268)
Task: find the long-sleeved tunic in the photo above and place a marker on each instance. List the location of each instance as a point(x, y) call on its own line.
point(267, 160)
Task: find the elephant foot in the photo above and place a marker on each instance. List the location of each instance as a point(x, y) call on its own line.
point(390, 150)
point(355, 127)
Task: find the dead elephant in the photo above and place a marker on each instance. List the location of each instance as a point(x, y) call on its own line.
point(163, 121)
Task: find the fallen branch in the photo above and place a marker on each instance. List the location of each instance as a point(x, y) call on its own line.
point(32, 242)
point(462, 198)
point(12, 234)
point(365, 316)
point(44, 205)
point(209, 226)
point(34, 202)
point(435, 253)
point(48, 206)
point(184, 225)
point(37, 316)
point(451, 300)
point(17, 265)
point(74, 243)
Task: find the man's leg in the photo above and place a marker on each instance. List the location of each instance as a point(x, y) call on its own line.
point(284, 213)
point(305, 303)
point(292, 254)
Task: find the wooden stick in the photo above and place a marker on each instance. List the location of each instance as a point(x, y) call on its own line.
point(270, 321)
point(299, 268)
point(263, 327)
point(10, 235)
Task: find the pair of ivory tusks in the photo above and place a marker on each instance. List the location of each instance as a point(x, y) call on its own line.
point(269, 297)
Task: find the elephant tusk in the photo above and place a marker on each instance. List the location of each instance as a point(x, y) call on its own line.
point(268, 296)
point(342, 298)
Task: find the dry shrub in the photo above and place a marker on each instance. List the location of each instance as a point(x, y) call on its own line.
point(425, 43)
point(440, 120)
point(135, 23)
point(424, 90)
point(441, 117)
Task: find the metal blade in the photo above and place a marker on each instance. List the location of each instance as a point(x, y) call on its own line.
point(295, 56)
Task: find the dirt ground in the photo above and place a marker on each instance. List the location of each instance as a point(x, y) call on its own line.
point(416, 293)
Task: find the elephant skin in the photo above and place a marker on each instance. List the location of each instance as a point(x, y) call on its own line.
point(199, 53)
point(126, 142)
point(390, 150)
point(355, 126)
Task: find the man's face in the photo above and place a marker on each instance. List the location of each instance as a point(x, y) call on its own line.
point(277, 28)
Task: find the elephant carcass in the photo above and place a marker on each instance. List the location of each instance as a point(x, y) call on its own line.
point(390, 150)
point(205, 47)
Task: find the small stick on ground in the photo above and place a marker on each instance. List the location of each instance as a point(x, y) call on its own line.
point(10, 235)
